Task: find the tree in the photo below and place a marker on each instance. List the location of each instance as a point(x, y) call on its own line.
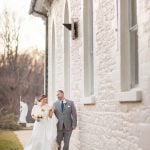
point(9, 39)
point(9, 36)
point(20, 74)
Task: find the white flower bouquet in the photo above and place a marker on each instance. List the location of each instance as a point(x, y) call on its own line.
point(39, 114)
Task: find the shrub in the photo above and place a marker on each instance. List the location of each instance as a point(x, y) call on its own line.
point(9, 121)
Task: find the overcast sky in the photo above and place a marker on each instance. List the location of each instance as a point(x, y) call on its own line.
point(32, 32)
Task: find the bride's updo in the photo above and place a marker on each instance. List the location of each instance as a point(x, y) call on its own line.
point(42, 97)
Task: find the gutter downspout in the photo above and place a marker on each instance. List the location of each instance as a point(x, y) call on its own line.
point(46, 59)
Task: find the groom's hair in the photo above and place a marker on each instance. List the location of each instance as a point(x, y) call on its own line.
point(61, 91)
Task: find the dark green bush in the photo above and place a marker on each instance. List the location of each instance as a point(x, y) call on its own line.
point(9, 121)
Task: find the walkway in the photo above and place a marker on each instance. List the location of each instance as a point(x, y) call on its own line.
point(24, 136)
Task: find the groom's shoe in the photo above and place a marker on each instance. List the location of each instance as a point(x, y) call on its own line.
point(59, 148)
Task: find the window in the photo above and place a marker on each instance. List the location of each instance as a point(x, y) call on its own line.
point(88, 47)
point(133, 29)
point(129, 44)
point(53, 61)
point(66, 54)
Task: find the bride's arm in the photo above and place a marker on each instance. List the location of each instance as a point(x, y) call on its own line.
point(32, 112)
point(51, 111)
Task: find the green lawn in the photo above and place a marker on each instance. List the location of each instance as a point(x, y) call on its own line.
point(9, 141)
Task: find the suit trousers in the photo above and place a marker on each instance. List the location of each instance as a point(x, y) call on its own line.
point(63, 135)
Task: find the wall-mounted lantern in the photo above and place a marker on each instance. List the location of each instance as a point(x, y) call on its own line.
point(73, 27)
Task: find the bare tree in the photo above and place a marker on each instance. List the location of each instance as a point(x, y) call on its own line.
point(20, 74)
point(9, 39)
point(26, 81)
point(9, 36)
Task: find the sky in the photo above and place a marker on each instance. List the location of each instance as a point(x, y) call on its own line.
point(32, 32)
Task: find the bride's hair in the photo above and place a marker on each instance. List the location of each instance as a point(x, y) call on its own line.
point(41, 97)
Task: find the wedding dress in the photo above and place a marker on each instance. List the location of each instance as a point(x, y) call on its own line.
point(44, 131)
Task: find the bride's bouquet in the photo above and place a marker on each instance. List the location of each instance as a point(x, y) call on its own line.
point(39, 114)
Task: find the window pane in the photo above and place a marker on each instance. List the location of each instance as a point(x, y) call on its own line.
point(133, 10)
point(88, 48)
point(134, 58)
point(53, 61)
point(66, 54)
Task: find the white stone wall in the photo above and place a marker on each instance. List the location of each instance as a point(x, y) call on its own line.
point(109, 124)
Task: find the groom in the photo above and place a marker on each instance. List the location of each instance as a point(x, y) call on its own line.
point(65, 112)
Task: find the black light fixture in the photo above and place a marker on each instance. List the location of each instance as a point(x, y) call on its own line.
point(67, 25)
point(73, 27)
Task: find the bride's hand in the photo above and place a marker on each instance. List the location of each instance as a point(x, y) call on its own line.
point(35, 118)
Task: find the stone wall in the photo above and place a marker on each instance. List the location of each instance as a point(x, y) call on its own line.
point(109, 124)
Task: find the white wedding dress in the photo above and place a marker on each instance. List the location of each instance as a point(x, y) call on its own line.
point(44, 132)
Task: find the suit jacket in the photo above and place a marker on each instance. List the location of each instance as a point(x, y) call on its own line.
point(68, 117)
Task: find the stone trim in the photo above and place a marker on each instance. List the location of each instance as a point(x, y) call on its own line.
point(91, 100)
point(134, 95)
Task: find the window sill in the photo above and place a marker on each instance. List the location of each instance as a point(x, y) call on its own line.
point(134, 95)
point(88, 100)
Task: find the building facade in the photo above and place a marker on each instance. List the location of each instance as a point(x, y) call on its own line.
point(105, 69)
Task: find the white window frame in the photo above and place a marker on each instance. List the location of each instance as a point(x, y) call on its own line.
point(130, 91)
point(88, 52)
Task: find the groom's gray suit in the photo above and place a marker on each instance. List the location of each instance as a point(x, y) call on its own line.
point(67, 120)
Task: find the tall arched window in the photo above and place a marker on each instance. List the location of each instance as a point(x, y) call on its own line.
point(129, 45)
point(66, 53)
point(88, 47)
point(53, 60)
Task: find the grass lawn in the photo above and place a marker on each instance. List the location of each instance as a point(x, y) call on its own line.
point(9, 141)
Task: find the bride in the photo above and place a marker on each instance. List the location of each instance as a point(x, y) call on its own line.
point(44, 130)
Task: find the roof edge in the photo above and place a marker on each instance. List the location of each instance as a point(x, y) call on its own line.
point(46, 5)
point(33, 11)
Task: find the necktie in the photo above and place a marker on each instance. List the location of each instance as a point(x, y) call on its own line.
point(62, 106)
